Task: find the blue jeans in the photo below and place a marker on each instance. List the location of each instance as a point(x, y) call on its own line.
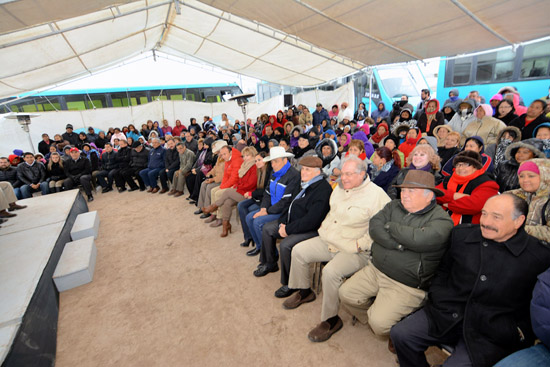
point(538, 355)
point(18, 193)
point(150, 176)
point(255, 225)
point(27, 190)
point(245, 207)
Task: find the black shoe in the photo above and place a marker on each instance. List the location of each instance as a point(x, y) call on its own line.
point(246, 243)
point(197, 212)
point(192, 202)
point(188, 198)
point(90, 198)
point(121, 189)
point(106, 189)
point(255, 251)
point(133, 189)
point(265, 269)
point(205, 216)
point(142, 189)
point(284, 292)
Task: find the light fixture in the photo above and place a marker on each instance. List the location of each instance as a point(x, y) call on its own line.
point(24, 119)
point(242, 101)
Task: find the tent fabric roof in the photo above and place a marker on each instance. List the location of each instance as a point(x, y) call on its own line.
point(289, 42)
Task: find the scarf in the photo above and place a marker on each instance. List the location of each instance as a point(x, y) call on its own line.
point(245, 167)
point(456, 180)
point(377, 137)
point(304, 186)
point(426, 168)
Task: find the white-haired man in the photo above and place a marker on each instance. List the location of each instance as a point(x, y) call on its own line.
point(343, 241)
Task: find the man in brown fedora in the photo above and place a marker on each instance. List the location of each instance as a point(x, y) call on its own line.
point(409, 237)
point(301, 222)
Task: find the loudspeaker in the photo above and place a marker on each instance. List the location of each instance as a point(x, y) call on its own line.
point(288, 100)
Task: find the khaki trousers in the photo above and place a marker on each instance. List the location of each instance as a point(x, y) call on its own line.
point(216, 194)
point(178, 181)
point(340, 266)
point(204, 193)
point(7, 195)
point(226, 201)
point(394, 300)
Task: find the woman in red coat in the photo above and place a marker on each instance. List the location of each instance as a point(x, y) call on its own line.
point(235, 194)
point(413, 136)
point(467, 189)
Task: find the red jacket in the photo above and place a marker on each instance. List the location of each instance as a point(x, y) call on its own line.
point(247, 183)
point(231, 170)
point(469, 206)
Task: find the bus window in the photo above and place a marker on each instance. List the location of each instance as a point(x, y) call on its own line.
point(461, 70)
point(190, 96)
point(397, 82)
point(536, 59)
point(495, 66)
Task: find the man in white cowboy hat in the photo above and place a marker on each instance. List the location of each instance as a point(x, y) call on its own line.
point(283, 186)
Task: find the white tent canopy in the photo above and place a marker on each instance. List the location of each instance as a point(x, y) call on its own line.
point(289, 42)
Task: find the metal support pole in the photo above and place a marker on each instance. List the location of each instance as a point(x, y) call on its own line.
point(370, 93)
point(243, 108)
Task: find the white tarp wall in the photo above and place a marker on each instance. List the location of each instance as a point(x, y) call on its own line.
point(12, 136)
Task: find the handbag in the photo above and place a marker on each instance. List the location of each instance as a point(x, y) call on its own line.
point(206, 168)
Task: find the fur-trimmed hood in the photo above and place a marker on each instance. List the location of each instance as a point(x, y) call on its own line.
point(534, 145)
point(513, 129)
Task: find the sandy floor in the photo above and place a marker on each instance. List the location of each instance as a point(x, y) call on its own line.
point(168, 291)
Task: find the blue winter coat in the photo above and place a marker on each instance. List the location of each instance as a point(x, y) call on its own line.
point(540, 308)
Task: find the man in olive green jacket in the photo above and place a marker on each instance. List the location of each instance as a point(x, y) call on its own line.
point(410, 236)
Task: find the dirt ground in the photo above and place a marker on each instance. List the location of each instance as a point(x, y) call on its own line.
point(168, 291)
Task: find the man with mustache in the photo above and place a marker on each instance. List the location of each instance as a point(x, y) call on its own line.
point(479, 299)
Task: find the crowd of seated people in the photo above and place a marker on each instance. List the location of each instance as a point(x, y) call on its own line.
point(391, 204)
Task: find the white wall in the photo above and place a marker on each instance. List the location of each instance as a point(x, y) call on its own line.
point(12, 136)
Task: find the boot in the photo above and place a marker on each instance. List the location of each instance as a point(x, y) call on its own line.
point(226, 228)
point(210, 209)
point(210, 219)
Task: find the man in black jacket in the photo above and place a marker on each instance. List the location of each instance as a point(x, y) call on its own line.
point(138, 162)
point(9, 173)
point(479, 299)
point(109, 167)
point(304, 217)
point(33, 176)
point(70, 136)
point(171, 165)
point(123, 158)
point(79, 171)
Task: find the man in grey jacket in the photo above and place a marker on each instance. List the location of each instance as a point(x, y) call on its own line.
point(187, 158)
point(410, 236)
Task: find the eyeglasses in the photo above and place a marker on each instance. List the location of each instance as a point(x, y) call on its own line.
point(461, 164)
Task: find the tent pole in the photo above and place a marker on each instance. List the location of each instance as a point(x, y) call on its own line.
point(370, 92)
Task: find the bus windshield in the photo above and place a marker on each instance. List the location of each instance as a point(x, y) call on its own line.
point(397, 82)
